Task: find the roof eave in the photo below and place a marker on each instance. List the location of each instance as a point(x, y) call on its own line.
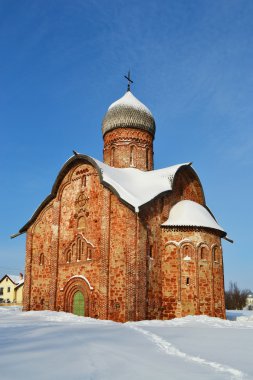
point(222, 233)
point(68, 164)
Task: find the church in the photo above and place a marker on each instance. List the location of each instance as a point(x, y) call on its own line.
point(119, 240)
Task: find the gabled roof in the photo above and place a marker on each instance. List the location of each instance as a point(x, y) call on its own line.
point(16, 280)
point(133, 186)
point(20, 284)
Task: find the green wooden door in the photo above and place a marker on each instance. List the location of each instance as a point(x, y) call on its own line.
point(78, 304)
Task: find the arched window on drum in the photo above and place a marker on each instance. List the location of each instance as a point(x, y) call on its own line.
point(216, 255)
point(132, 155)
point(187, 252)
point(147, 158)
point(112, 158)
point(203, 253)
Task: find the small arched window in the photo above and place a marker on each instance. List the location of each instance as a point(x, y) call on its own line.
point(203, 253)
point(147, 158)
point(112, 158)
point(215, 254)
point(68, 256)
point(89, 253)
point(81, 222)
point(187, 251)
point(132, 154)
point(84, 180)
point(42, 259)
point(79, 250)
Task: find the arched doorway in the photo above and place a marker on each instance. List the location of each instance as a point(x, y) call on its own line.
point(78, 304)
point(77, 297)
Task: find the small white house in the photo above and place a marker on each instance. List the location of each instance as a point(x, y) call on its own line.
point(249, 301)
point(11, 289)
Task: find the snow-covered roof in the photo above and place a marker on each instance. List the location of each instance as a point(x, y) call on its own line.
point(16, 279)
point(129, 100)
point(128, 112)
point(187, 213)
point(135, 186)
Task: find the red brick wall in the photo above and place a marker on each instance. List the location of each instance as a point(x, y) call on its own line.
point(79, 239)
point(37, 284)
point(169, 295)
point(129, 267)
point(86, 231)
point(128, 147)
point(192, 286)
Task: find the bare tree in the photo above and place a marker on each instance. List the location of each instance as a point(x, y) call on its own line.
point(235, 299)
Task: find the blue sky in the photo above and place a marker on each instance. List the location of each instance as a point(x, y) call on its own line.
point(62, 64)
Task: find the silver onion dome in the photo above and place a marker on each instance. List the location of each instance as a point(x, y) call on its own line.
point(128, 112)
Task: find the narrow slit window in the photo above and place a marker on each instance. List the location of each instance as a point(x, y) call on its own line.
point(187, 280)
point(74, 252)
point(89, 254)
point(202, 254)
point(112, 155)
point(147, 158)
point(215, 255)
point(41, 259)
point(79, 250)
point(132, 149)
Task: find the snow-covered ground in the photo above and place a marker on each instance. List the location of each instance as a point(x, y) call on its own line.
point(51, 345)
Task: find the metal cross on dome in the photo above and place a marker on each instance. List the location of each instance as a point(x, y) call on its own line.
point(128, 77)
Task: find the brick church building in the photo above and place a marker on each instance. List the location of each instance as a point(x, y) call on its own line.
point(119, 240)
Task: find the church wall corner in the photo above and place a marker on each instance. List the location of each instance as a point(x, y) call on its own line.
point(199, 278)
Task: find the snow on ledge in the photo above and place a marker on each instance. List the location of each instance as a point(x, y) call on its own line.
point(83, 278)
point(187, 258)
